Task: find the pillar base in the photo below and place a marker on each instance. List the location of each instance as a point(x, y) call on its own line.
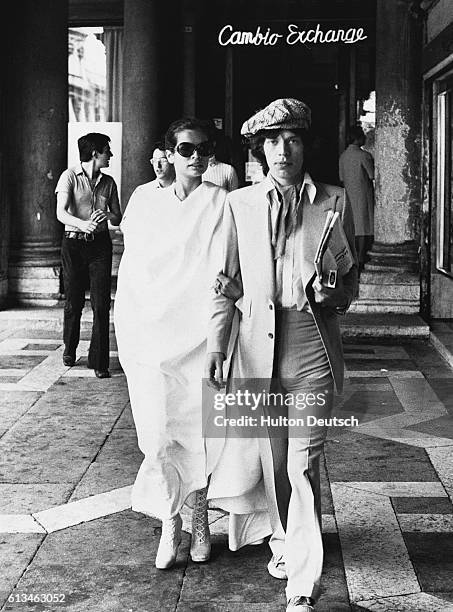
point(390, 282)
point(388, 292)
point(34, 276)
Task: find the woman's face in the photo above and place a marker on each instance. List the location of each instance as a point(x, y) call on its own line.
point(197, 162)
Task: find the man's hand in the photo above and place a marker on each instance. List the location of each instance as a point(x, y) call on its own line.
point(98, 216)
point(214, 370)
point(327, 296)
point(87, 226)
point(229, 287)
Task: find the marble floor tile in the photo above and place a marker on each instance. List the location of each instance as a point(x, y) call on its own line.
point(426, 523)
point(432, 557)
point(399, 489)
point(418, 602)
point(16, 553)
point(442, 460)
point(19, 523)
point(106, 566)
point(372, 545)
point(88, 509)
point(382, 373)
point(417, 396)
point(422, 505)
point(354, 457)
point(28, 498)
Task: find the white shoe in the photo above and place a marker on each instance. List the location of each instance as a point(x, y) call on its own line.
point(169, 542)
point(277, 568)
point(200, 547)
point(300, 604)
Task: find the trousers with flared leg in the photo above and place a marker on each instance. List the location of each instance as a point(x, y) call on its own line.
point(302, 371)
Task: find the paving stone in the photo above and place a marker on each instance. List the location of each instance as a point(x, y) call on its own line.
point(370, 380)
point(432, 557)
point(200, 606)
point(248, 580)
point(368, 530)
point(106, 566)
point(52, 451)
point(126, 420)
point(16, 552)
point(443, 388)
point(326, 495)
point(36, 333)
point(20, 361)
point(334, 590)
point(422, 505)
point(37, 346)
point(116, 465)
point(358, 457)
point(442, 427)
point(378, 364)
point(29, 498)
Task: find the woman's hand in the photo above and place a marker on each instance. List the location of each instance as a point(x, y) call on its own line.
point(229, 287)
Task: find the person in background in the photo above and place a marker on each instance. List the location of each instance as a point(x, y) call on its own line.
point(356, 170)
point(164, 170)
point(219, 172)
point(86, 200)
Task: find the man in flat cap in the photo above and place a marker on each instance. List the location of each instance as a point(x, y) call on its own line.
point(288, 330)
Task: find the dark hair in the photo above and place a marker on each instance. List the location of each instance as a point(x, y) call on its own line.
point(91, 142)
point(160, 144)
point(257, 140)
point(186, 123)
point(355, 132)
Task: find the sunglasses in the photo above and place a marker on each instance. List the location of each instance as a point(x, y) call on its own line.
point(187, 149)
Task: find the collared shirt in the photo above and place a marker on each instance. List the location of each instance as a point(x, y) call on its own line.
point(222, 175)
point(85, 197)
point(289, 288)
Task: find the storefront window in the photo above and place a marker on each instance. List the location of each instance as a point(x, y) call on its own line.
point(444, 95)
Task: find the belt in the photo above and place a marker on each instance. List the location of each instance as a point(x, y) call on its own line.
point(81, 236)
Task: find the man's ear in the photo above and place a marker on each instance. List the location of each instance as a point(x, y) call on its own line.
point(94, 154)
point(170, 156)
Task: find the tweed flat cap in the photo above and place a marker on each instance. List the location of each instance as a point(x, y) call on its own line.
point(286, 113)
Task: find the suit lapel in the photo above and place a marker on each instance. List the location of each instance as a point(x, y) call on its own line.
point(313, 220)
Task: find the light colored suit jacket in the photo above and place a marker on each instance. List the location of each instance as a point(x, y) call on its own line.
point(248, 255)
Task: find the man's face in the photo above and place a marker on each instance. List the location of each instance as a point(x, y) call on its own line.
point(285, 157)
point(102, 160)
point(161, 165)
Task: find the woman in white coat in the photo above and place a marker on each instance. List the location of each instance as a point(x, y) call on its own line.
point(172, 255)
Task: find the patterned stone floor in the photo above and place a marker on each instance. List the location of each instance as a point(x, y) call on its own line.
point(68, 455)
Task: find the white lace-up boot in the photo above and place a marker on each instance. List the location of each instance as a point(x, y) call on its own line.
point(200, 548)
point(169, 542)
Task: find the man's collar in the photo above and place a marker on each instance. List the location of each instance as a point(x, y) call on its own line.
point(80, 170)
point(269, 184)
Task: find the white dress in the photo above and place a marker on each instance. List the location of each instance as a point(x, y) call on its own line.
point(172, 255)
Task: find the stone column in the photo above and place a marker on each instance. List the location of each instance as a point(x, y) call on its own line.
point(4, 213)
point(390, 282)
point(36, 150)
point(145, 50)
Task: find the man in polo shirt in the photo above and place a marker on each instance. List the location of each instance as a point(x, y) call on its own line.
point(86, 200)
